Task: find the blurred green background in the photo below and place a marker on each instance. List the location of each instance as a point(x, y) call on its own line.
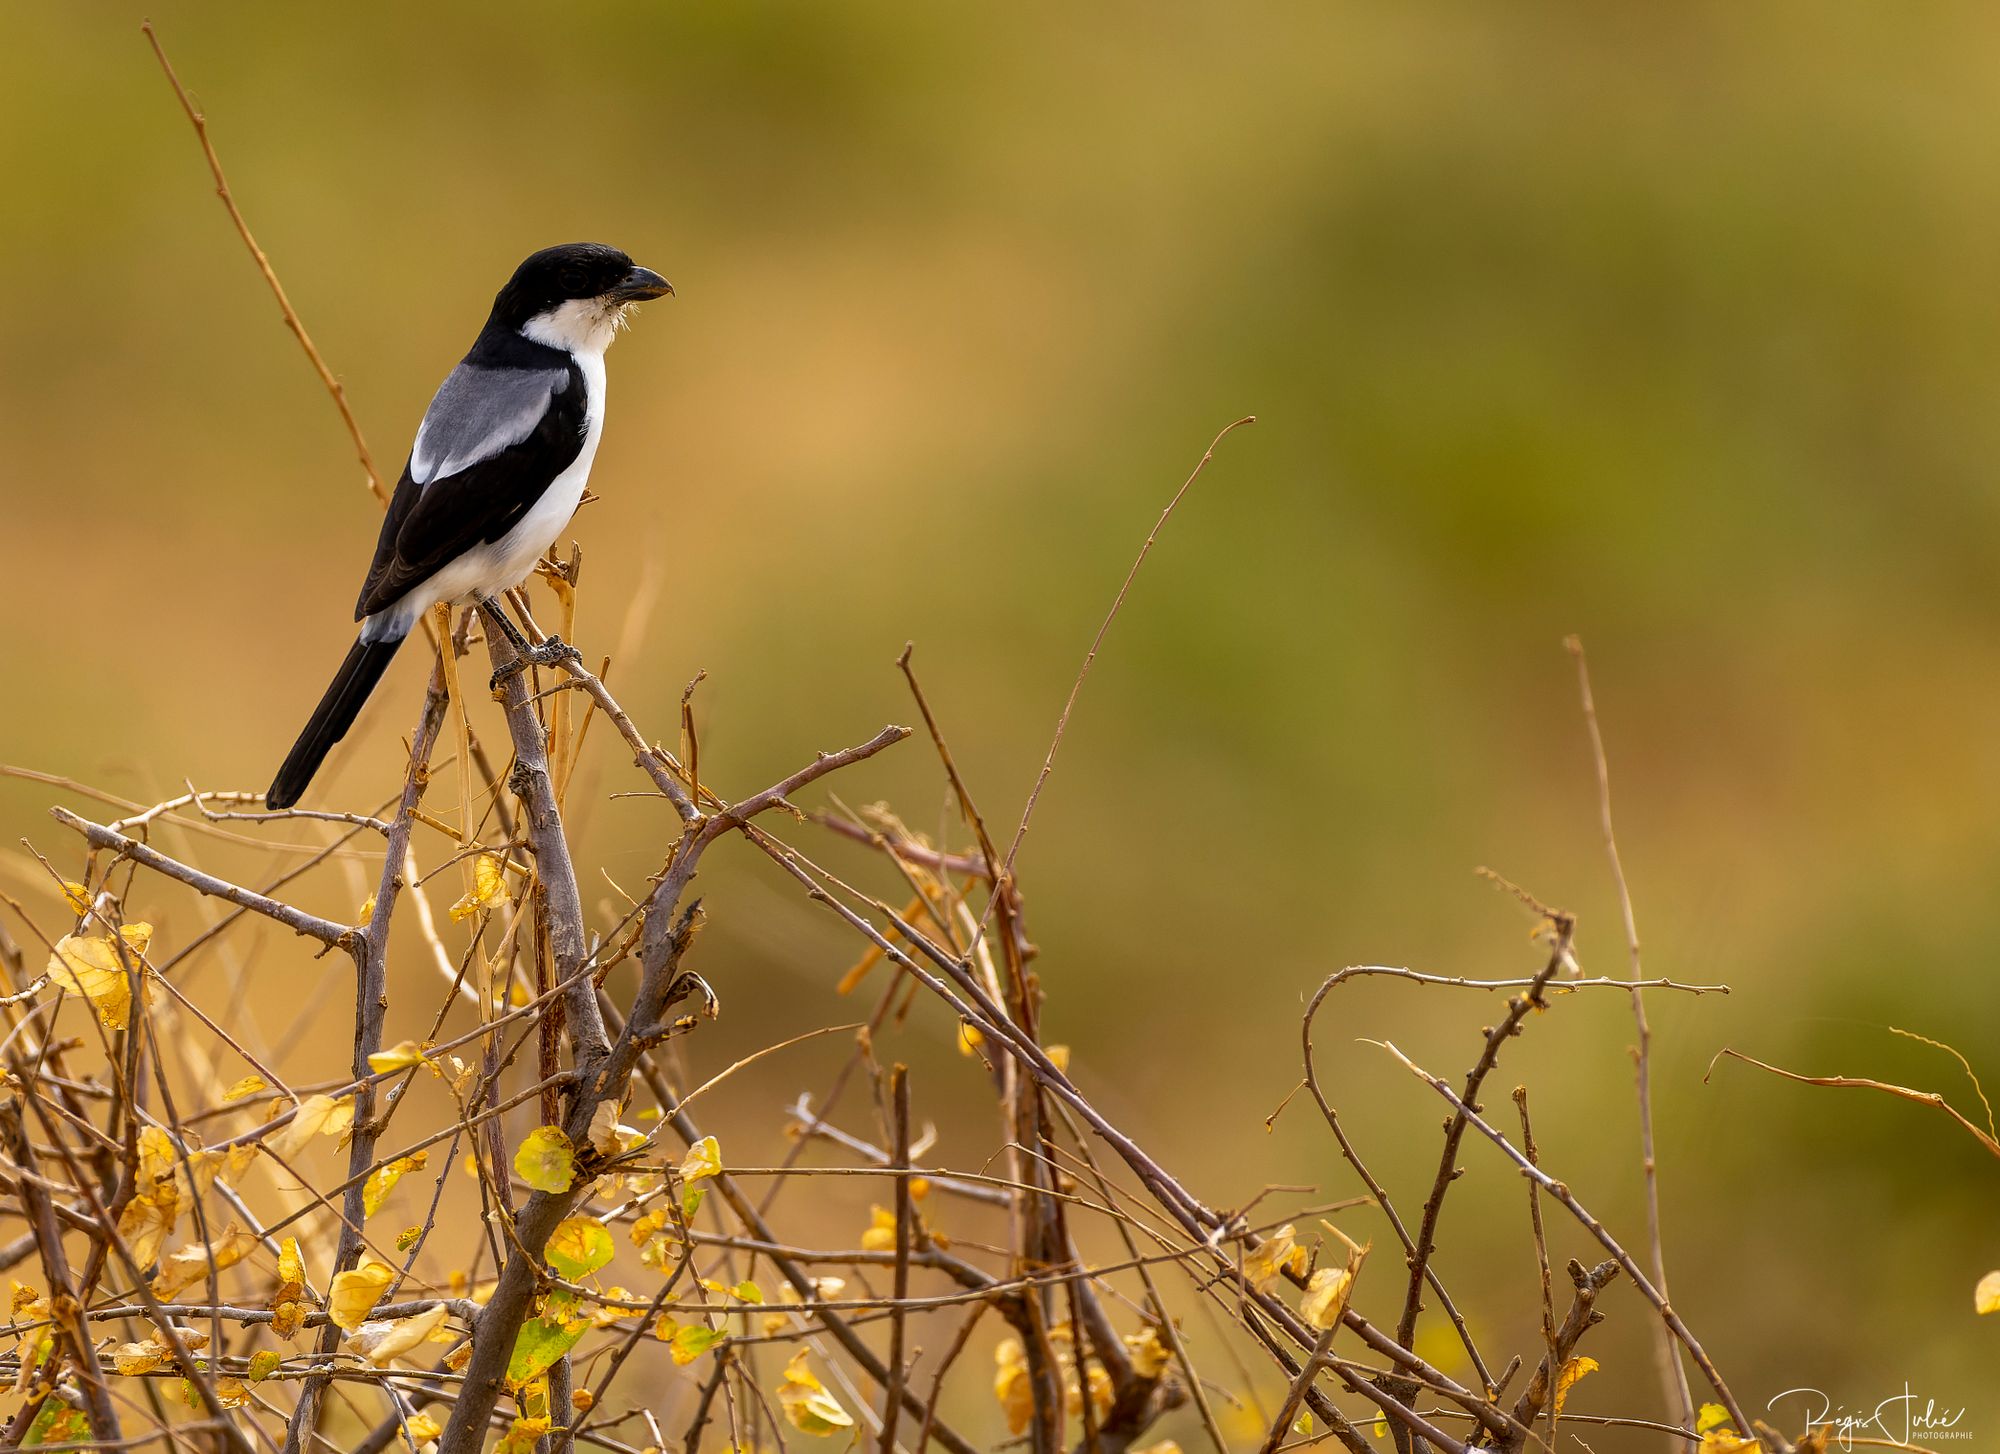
point(1676, 330)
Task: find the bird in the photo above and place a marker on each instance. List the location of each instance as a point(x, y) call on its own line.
point(497, 469)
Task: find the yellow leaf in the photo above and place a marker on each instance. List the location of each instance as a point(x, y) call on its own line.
point(1165, 1446)
point(88, 965)
point(1573, 1370)
point(248, 1086)
point(77, 894)
point(288, 1307)
point(546, 1160)
point(316, 1116)
point(353, 1293)
point(1275, 1254)
point(522, 1435)
point(578, 1247)
point(132, 1359)
point(424, 1428)
point(1718, 1434)
point(647, 1225)
point(1986, 1297)
point(138, 936)
point(400, 1056)
point(489, 887)
point(367, 910)
point(263, 1364)
point(1326, 1296)
point(1059, 1058)
point(189, 1264)
point(382, 1180)
point(881, 1233)
point(704, 1158)
point(148, 1220)
point(970, 1038)
point(1150, 1355)
point(582, 1400)
point(381, 1342)
point(807, 1404)
point(1011, 1385)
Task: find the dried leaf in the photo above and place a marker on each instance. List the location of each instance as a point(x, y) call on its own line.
point(382, 1180)
point(132, 1359)
point(148, 1220)
point(382, 1341)
point(1326, 1296)
point(807, 1404)
point(1012, 1386)
point(88, 965)
point(400, 1056)
point(316, 1116)
point(1566, 1379)
point(352, 1294)
point(188, 1265)
point(546, 1161)
point(1275, 1254)
point(489, 887)
point(704, 1158)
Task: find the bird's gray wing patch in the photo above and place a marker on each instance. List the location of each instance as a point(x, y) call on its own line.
point(478, 412)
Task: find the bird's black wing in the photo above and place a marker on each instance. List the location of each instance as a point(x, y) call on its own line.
point(490, 444)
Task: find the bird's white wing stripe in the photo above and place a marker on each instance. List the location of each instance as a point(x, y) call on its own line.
point(478, 412)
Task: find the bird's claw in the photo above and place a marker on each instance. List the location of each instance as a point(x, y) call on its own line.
point(552, 652)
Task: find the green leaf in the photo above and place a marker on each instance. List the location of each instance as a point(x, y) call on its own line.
point(546, 1160)
point(539, 1344)
point(58, 1423)
point(691, 1340)
point(263, 1364)
point(691, 1203)
point(578, 1247)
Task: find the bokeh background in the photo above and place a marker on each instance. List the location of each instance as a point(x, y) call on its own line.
point(1673, 329)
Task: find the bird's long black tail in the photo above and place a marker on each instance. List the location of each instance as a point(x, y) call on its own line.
point(366, 661)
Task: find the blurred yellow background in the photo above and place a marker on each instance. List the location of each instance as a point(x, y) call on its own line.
point(1675, 330)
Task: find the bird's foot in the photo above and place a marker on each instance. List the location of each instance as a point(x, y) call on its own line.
point(552, 652)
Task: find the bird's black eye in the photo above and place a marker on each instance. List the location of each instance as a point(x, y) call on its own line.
point(573, 282)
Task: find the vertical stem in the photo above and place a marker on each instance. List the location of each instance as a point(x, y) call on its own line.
point(371, 1006)
point(1673, 1377)
point(892, 1402)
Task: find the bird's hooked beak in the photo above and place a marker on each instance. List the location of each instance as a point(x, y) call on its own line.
point(641, 284)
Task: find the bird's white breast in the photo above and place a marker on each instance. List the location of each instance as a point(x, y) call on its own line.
point(489, 569)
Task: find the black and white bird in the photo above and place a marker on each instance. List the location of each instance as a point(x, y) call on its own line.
point(497, 470)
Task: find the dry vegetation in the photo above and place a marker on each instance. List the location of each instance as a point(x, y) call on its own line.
point(209, 1254)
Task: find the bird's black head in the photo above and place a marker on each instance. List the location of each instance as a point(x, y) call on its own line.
point(589, 275)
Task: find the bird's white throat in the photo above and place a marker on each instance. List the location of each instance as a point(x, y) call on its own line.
point(580, 325)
